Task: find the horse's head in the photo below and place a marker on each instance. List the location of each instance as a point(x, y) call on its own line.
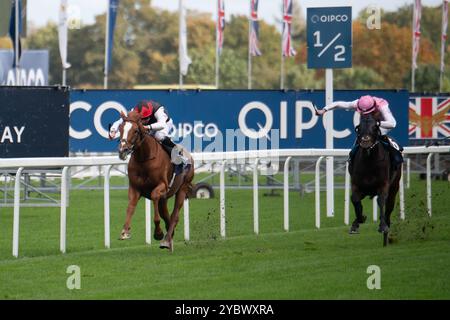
point(131, 133)
point(368, 131)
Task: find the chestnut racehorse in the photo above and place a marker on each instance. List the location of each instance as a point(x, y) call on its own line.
point(149, 173)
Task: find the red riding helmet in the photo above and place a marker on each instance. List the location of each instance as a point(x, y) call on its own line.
point(145, 108)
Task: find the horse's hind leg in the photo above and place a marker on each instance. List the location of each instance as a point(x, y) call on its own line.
point(174, 217)
point(381, 200)
point(164, 212)
point(133, 198)
point(157, 234)
point(156, 196)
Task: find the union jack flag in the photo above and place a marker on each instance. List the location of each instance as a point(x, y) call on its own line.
point(220, 23)
point(429, 117)
point(254, 32)
point(288, 49)
point(416, 31)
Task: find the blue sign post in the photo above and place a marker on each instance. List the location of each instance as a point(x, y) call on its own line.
point(329, 37)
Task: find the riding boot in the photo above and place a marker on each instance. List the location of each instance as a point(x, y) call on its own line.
point(168, 145)
point(395, 152)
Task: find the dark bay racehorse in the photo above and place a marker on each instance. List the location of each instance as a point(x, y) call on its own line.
point(149, 173)
point(372, 175)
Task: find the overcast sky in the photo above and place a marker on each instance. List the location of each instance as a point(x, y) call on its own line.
point(41, 11)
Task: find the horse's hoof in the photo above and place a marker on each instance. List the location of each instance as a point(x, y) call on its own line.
point(383, 229)
point(158, 236)
point(354, 229)
point(164, 244)
point(125, 236)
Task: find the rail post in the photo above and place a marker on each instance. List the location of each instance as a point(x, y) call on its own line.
point(429, 183)
point(16, 219)
point(222, 200)
point(63, 212)
point(402, 195)
point(255, 198)
point(106, 209)
point(148, 230)
point(347, 196)
point(186, 220)
point(318, 192)
point(375, 208)
point(286, 193)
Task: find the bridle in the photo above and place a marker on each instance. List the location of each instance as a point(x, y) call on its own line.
point(377, 140)
point(134, 143)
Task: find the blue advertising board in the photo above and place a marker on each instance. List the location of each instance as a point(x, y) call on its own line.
point(329, 37)
point(215, 120)
point(34, 121)
point(33, 68)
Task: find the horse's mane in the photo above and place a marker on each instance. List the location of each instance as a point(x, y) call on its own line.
point(377, 115)
point(133, 116)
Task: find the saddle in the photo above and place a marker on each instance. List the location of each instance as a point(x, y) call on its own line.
point(180, 167)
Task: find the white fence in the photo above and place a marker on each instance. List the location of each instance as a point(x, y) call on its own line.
point(218, 157)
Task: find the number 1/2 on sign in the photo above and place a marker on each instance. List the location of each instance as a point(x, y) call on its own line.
point(339, 55)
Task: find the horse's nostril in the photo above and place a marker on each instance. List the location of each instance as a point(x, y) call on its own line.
point(365, 138)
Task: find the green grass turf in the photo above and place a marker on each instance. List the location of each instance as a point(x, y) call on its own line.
point(304, 263)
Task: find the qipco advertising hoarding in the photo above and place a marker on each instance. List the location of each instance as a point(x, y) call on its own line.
point(217, 120)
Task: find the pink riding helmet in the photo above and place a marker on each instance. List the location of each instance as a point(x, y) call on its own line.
point(366, 104)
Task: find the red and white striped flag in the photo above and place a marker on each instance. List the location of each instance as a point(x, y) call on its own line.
point(416, 31)
point(220, 24)
point(288, 49)
point(444, 32)
point(254, 33)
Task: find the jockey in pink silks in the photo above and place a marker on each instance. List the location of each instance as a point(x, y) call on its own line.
point(366, 105)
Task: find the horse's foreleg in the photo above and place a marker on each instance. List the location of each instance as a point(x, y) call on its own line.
point(133, 198)
point(381, 200)
point(360, 218)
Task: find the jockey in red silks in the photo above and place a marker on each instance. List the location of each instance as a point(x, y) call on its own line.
point(157, 121)
point(366, 105)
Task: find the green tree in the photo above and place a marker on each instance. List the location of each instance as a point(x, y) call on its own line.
point(427, 78)
point(358, 78)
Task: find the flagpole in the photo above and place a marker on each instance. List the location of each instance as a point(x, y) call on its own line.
point(249, 50)
point(413, 69)
point(282, 60)
point(217, 45)
point(443, 41)
point(105, 79)
point(16, 35)
point(179, 43)
point(64, 76)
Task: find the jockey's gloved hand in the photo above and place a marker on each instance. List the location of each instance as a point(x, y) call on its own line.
point(320, 112)
point(112, 134)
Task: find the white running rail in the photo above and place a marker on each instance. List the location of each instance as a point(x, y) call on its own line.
point(254, 157)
